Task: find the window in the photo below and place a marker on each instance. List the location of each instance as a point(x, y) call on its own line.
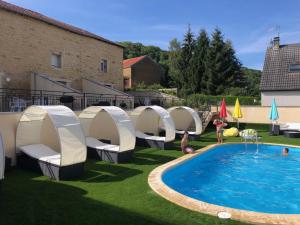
point(294, 68)
point(126, 83)
point(103, 65)
point(56, 60)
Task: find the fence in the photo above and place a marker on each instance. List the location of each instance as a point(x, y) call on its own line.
point(16, 100)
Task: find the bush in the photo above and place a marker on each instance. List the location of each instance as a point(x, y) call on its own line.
point(197, 100)
point(154, 87)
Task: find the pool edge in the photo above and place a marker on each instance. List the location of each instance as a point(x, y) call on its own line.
point(158, 186)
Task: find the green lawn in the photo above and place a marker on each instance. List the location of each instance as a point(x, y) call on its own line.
point(107, 194)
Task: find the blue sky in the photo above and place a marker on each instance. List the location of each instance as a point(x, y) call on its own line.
point(250, 25)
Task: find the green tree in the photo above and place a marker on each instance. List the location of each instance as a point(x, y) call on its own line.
point(199, 63)
point(215, 64)
point(131, 49)
point(151, 51)
point(187, 51)
point(164, 62)
point(234, 74)
point(173, 63)
point(224, 69)
point(252, 81)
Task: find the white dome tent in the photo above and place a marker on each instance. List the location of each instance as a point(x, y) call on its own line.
point(110, 134)
point(149, 121)
point(50, 138)
point(2, 159)
point(186, 118)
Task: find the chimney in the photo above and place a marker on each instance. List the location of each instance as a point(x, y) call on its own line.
point(276, 43)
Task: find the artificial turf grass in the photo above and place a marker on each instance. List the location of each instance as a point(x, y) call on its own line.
point(107, 194)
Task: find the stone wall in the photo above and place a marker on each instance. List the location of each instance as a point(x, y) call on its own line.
point(26, 46)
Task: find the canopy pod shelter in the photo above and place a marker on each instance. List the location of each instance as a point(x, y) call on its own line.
point(149, 122)
point(186, 119)
point(2, 159)
point(50, 138)
point(110, 134)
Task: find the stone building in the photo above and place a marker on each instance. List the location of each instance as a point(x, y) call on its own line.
point(281, 75)
point(141, 70)
point(33, 43)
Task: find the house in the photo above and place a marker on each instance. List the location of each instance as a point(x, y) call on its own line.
point(34, 43)
point(141, 70)
point(281, 75)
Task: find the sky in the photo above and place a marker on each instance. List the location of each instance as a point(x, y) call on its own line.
point(250, 25)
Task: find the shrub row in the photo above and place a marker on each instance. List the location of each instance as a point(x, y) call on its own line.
point(196, 100)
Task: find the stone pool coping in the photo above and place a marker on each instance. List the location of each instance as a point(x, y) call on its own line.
point(157, 185)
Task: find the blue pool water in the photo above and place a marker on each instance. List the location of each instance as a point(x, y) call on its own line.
point(238, 176)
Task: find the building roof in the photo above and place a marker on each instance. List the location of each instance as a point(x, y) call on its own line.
point(130, 62)
point(276, 75)
point(37, 16)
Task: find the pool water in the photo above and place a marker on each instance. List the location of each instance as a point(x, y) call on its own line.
point(241, 176)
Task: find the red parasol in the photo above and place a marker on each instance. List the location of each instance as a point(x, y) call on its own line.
point(223, 111)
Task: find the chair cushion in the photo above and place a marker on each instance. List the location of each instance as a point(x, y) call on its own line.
point(149, 137)
point(95, 143)
point(42, 153)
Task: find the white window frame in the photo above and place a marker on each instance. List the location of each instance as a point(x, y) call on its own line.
point(56, 54)
point(296, 68)
point(103, 66)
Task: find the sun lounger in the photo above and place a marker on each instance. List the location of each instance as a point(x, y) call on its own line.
point(289, 127)
point(186, 119)
point(108, 122)
point(42, 127)
point(149, 118)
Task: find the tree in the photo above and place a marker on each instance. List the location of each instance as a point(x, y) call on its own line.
point(215, 69)
point(131, 49)
point(199, 63)
point(187, 51)
point(151, 51)
point(234, 73)
point(252, 81)
point(173, 63)
point(224, 69)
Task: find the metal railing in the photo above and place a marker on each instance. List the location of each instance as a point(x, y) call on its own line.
point(16, 100)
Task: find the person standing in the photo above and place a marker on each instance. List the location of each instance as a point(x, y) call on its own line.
point(219, 129)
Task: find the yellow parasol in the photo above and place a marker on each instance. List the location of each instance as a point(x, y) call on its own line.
point(237, 112)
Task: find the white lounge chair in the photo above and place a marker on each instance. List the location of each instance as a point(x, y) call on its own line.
point(290, 127)
point(110, 123)
point(186, 118)
point(150, 120)
point(50, 139)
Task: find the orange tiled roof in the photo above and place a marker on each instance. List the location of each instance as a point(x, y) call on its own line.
point(26, 12)
point(129, 62)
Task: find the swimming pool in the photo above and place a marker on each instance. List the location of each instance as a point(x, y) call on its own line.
point(241, 176)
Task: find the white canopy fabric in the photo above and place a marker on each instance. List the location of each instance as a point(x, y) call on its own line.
point(184, 117)
point(149, 118)
point(2, 158)
point(113, 118)
point(64, 127)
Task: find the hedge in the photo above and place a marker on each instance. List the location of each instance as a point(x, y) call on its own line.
point(196, 100)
